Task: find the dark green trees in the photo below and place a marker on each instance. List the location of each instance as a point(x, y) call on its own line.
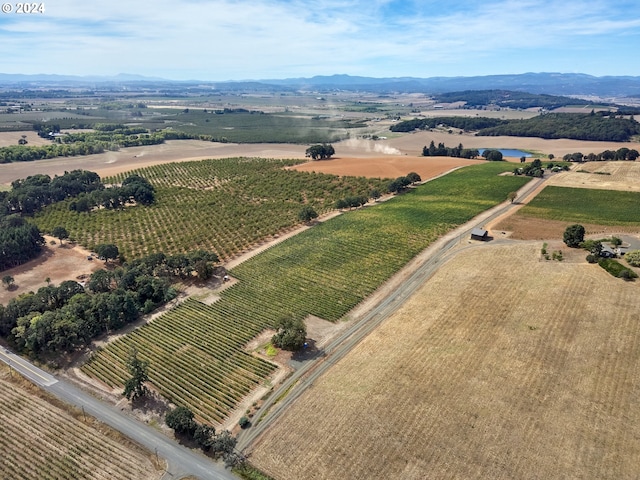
point(574, 235)
point(307, 213)
point(19, 241)
point(181, 419)
point(320, 151)
point(60, 233)
point(107, 251)
point(291, 334)
point(134, 387)
point(492, 155)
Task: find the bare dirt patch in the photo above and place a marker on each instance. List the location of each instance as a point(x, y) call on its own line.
point(391, 166)
point(529, 228)
point(533, 378)
point(56, 262)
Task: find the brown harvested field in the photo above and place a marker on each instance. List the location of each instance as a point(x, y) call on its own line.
point(391, 166)
point(501, 366)
point(56, 262)
point(8, 139)
point(41, 439)
point(519, 227)
point(609, 176)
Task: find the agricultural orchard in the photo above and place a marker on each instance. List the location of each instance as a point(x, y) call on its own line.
point(225, 206)
point(195, 351)
point(40, 440)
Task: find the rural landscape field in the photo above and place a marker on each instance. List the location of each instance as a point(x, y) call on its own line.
point(69, 445)
point(183, 233)
point(502, 366)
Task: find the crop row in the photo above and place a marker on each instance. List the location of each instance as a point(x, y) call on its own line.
point(196, 357)
point(196, 351)
point(605, 207)
point(41, 441)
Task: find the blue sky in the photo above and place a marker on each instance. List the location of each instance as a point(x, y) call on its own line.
point(258, 39)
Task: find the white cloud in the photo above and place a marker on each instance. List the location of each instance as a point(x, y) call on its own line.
point(221, 39)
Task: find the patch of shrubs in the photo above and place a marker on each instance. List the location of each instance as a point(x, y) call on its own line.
point(633, 258)
point(616, 269)
point(181, 420)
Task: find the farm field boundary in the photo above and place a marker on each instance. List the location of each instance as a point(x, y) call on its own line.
point(324, 271)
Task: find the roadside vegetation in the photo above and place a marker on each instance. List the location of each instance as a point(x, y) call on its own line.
point(324, 271)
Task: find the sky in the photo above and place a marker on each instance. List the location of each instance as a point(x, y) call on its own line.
point(219, 40)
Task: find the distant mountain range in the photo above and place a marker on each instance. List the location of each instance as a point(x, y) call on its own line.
point(549, 83)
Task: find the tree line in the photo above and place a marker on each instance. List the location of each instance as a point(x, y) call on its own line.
point(463, 123)
point(442, 151)
point(597, 127)
point(602, 126)
point(63, 318)
point(508, 99)
point(89, 143)
point(623, 153)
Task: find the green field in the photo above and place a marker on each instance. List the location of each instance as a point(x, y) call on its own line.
point(604, 207)
point(324, 271)
point(239, 125)
point(225, 206)
point(256, 127)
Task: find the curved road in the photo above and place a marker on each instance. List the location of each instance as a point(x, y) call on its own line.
point(304, 377)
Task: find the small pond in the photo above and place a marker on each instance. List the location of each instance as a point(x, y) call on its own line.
point(508, 152)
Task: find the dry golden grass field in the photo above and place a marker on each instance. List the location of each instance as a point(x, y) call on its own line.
point(41, 440)
point(501, 366)
point(412, 143)
point(602, 175)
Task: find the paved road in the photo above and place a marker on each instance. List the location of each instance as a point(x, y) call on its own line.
point(181, 461)
point(26, 369)
point(304, 377)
